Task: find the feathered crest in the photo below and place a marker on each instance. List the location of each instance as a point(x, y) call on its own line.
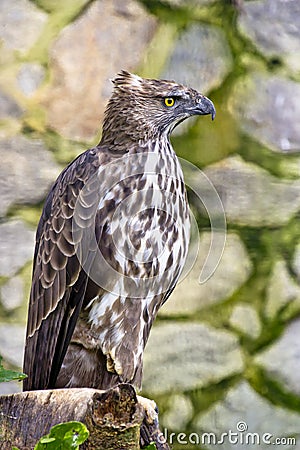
point(146, 87)
point(125, 78)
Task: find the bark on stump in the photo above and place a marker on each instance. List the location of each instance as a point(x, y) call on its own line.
point(113, 417)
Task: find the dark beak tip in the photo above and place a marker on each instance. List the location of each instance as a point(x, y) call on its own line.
point(208, 107)
point(212, 109)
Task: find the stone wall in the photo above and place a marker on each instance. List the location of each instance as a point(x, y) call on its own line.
point(228, 348)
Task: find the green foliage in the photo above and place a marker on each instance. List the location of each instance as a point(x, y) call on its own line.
point(151, 446)
point(65, 436)
point(9, 375)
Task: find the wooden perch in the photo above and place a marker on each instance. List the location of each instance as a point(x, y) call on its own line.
point(114, 417)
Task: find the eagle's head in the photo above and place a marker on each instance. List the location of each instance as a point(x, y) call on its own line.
point(142, 109)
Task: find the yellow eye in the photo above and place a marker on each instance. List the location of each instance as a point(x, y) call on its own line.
point(169, 101)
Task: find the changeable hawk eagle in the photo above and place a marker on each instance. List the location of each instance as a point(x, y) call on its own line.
point(111, 242)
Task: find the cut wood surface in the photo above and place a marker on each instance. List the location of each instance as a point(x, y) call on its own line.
point(113, 417)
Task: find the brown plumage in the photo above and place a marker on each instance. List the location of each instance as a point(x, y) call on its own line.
point(111, 242)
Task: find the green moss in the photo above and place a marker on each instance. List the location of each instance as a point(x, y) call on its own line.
point(271, 331)
point(289, 166)
point(278, 164)
point(271, 389)
point(25, 274)
point(59, 18)
point(64, 150)
point(158, 50)
point(29, 213)
point(204, 398)
point(166, 13)
point(291, 311)
point(281, 242)
point(19, 315)
point(52, 6)
point(35, 119)
point(267, 245)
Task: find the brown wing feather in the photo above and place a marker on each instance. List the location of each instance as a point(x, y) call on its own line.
point(58, 282)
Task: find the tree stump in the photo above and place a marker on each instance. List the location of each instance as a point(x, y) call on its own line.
point(113, 417)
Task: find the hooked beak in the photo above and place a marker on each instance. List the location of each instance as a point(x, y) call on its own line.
point(204, 107)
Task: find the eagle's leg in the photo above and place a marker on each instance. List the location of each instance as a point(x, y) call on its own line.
point(150, 431)
point(103, 359)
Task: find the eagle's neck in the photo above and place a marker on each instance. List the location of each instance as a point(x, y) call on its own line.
point(143, 142)
point(129, 140)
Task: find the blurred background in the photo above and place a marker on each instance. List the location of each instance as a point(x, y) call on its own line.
point(227, 351)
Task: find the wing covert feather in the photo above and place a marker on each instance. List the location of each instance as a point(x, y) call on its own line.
point(58, 282)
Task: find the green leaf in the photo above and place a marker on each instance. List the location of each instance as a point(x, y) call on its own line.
point(151, 446)
point(64, 436)
point(46, 440)
point(9, 375)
